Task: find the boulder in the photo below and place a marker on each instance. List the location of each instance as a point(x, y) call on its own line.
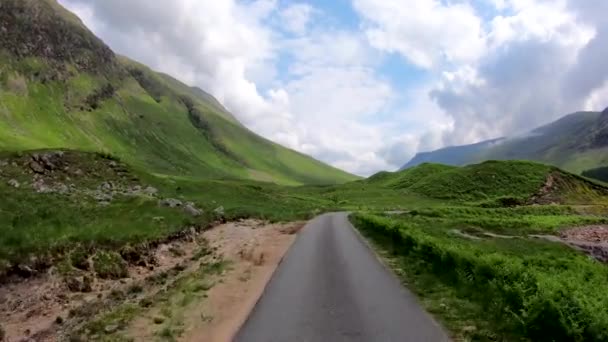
point(14, 183)
point(106, 186)
point(46, 161)
point(110, 329)
point(219, 210)
point(170, 203)
point(102, 197)
point(150, 191)
point(36, 167)
point(40, 187)
point(62, 188)
point(190, 209)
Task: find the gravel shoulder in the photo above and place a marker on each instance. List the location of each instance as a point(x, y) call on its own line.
point(250, 252)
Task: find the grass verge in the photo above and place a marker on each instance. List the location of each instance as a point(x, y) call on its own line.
point(507, 290)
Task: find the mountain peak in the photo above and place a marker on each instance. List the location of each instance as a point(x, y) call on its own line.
point(44, 29)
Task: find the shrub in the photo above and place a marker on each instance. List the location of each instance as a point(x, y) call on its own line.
point(542, 299)
point(110, 265)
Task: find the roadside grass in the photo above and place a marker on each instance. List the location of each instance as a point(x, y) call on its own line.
point(460, 316)
point(47, 225)
point(519, 221)
point(43, 228)
point(507, 289)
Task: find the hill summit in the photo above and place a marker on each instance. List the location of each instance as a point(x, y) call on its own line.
point(63, 88)
point(494, 183)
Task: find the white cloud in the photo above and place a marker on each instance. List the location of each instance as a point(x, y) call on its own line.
point(317, 107)
point(296, 18)
point(321, 89)
point(426, 32)
point(598, 99)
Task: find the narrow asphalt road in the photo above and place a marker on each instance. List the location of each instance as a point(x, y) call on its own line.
point(331, 287)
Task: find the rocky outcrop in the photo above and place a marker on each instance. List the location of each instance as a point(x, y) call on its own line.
point(170, 203)
point(42, 28)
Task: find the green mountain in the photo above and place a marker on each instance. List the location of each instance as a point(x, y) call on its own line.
point(494, 183)
point(63, 88)
point(576, 142)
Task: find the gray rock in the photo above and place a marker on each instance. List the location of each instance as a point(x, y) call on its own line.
point(106, 186)
point(40, 187)
point(109, 329)
point(46, 161)
point(36, 167)
point(102, 197)
point(150, 191)
point(62, 188)
point(3, 163)
point(219, 210)
point(189, 208)
point(170, 203)
point(14, 183)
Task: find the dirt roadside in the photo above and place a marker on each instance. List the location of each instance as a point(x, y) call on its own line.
point(252, 251)
point(201, 288)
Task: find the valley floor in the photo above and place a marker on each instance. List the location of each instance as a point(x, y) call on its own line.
point(92, 248)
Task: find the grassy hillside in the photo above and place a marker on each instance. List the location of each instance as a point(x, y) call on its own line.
point(493, 183)
point(61, 87)
point(405, 179)
point(576, 143)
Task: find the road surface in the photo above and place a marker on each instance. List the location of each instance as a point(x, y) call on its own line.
point(331, 287)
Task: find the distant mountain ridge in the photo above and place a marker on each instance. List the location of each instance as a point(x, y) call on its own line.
point(577, 142)
point(452, 155)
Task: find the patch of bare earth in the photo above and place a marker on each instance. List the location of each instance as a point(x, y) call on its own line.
point(49, 308)
point(592, 240)
point(43, 308)
point(252, 250)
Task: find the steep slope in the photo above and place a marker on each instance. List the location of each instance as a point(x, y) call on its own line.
point(61, 87)
point(576, 142)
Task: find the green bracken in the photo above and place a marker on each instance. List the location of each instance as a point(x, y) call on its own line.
point(526, 288)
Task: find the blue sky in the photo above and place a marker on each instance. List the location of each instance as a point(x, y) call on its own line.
point(366, 84)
